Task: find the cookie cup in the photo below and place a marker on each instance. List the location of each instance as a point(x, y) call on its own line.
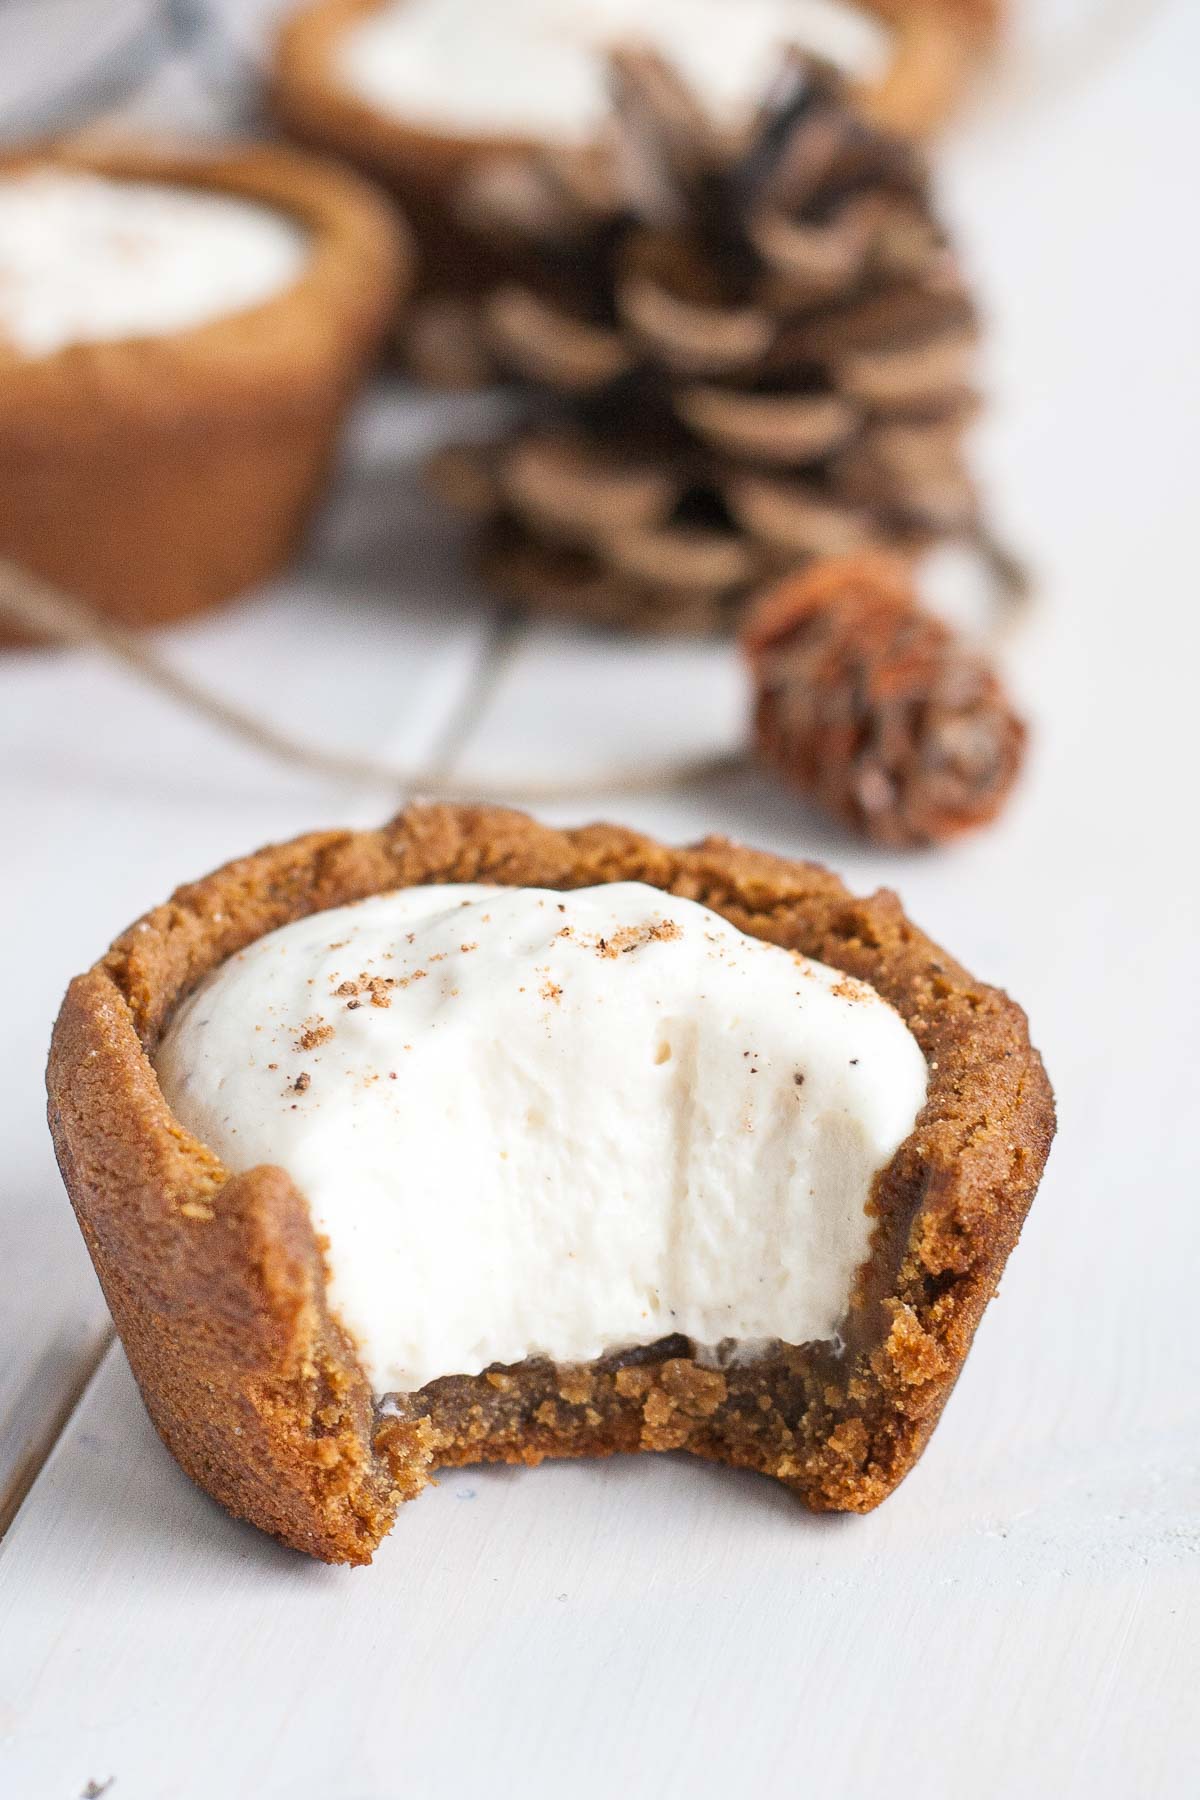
point(157, 476)
point(936, 47)
point(217, 1282)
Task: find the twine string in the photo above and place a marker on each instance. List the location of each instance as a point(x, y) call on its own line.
point(39, 610)
point(44, 612)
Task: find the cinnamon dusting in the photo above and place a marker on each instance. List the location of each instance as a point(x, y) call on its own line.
point(632, 937)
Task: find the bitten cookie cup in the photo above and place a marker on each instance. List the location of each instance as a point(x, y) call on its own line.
point(218, 1284)
point(934, 48)
point(160, 474)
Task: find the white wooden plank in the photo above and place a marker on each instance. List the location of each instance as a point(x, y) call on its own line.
point(1022, 1617)
point(110, 797)
point(1006, 1624)
point(49, 48)
point(571, 703)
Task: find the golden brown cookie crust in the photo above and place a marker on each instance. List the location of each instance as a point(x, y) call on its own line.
point(159, 475)
point(217, 1286)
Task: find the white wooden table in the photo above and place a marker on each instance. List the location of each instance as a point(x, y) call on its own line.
point(1023, 1617)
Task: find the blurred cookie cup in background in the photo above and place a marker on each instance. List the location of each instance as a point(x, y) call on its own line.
point(414, 92)
point(181, 332)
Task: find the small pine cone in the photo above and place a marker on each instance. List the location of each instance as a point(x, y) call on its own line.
point(876, 709)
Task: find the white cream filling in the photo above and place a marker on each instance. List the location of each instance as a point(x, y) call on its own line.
point(536, 67)
point(541, 1123)
point(87, 259)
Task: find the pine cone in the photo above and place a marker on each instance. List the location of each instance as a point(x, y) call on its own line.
point(737, 357)
point(876, 709)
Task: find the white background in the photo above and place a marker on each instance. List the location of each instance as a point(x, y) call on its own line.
point(1023, 1616)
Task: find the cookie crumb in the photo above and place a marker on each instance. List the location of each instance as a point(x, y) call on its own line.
point(313, 1032)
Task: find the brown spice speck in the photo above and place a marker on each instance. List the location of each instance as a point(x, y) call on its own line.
point(632, 937)
point(376, 987)
point(302, 1082)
